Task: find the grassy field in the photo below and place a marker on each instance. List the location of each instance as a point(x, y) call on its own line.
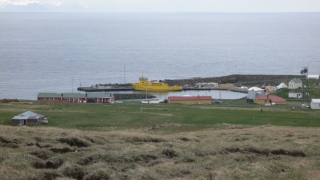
point(89, 141)
point(107, 117)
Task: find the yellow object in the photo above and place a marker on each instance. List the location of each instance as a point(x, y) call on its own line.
point(144, 85)
point(22, 102)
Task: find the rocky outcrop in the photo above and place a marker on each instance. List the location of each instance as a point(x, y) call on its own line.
point(248, 80)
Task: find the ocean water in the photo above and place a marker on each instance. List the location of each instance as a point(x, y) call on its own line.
point(58, 52)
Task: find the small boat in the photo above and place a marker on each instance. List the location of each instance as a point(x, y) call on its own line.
point(145, 85)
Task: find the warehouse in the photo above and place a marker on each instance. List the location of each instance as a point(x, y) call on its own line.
point(190, 99)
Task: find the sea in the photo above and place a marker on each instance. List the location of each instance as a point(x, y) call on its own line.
point(59, 52)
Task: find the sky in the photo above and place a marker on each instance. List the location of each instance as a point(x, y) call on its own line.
point(183, 5)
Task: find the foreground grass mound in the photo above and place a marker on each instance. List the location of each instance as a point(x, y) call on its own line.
point(222, 151)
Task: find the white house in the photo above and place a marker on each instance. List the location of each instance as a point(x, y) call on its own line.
point(295, 84)
point(315, 103)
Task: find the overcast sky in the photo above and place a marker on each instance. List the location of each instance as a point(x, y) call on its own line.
point(186, 5)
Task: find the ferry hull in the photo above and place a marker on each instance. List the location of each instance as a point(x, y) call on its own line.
point(145, 85)
point(138, 87)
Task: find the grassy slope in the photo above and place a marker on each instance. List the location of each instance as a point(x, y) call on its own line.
point(149, 145)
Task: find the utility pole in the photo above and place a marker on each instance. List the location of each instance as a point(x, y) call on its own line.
point(305, 91)
point(124, 70)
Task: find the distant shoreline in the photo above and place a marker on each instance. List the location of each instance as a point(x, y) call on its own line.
point(237, 79)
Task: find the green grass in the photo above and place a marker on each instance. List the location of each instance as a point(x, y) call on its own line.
point(121, 116)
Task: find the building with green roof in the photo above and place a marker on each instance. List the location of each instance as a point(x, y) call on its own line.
point(295, 84)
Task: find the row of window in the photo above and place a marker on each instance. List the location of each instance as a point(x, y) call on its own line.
point(72, 99)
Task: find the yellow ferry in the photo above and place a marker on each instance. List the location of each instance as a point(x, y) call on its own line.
point(144, 85)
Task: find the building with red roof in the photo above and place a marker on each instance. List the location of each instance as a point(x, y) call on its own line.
point(269, 99)
point(190, 99)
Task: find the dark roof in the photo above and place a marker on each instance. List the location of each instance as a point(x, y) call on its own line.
point(99, 95)
point(185, 98)
point(79, 95)
point(273, 98)
point(49, 95)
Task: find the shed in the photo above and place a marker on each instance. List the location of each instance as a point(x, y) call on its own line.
point(269, 99)
point(315, 103)
point(190, 99)
point(29, 118)
point(295, 84)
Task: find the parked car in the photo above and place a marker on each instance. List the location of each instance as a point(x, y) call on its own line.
point(216, 102)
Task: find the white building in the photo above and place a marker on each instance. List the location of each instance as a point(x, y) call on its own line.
point(295, 95)
point(313, 76)
point(282, 85)
point(150, 101)
point(315, 103)
point(295, 84)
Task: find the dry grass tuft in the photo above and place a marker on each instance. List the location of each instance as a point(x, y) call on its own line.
point(221, 152)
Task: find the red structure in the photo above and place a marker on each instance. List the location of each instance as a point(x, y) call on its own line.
point(94, 97)
point(268, 99)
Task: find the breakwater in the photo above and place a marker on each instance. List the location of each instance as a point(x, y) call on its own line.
point(132, 96)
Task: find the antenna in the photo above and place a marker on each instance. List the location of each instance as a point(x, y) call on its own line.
point(72, 84)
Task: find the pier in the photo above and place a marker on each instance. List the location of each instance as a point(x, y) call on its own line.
point(234, 89)
point(90, 89)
